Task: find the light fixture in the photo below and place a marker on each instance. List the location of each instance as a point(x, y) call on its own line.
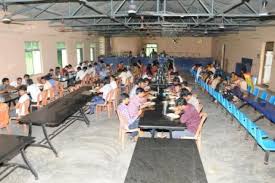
point(263, 11)
point(132, 8)
point(205, 31)
point(221, 26)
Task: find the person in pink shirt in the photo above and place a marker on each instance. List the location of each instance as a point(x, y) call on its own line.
point(189, 116)
point(137, 102)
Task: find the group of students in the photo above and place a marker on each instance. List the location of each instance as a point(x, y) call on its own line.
point(134, 104)
point(217, 79)
point(30, 93)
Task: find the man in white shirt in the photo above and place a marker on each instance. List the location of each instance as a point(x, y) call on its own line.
point(113, 82)
point(123, 76)
point(33, 90)
point(130, 75)
point(105, 90)
point(80, 74)
point(23, 102)
point(16, 83)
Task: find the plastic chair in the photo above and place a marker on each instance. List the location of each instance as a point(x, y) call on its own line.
point(107, 106)
point(272, 100)
point(197, 136)
point(123, 129)
point(266, 143)
point(4, 115)
point(249, 89)
point(264, 95)
point(256, 92)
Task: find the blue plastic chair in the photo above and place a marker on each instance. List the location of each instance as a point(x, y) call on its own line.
point(272, 100)
point(256, 92)
point(249, 89)
point(251, 127)
point(264, 95)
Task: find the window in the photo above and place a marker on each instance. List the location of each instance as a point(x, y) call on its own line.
point(92, 52)
point(150, 47)
point(79, 52)
point(62, 59)
point(33, 57)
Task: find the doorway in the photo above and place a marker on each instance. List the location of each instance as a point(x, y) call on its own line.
point(268, 60)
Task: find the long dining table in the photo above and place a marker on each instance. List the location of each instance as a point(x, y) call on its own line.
point(65, 110)
point(165, 161)
point(154, 119)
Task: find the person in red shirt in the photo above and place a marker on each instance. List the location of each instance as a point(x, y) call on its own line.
point(189, 116)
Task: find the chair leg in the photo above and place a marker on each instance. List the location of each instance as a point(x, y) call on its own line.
point(266, 157)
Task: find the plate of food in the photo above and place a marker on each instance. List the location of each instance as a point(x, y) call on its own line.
point(152, 97)
point(173, 116)
point(172, 96)
point(172, 102)
point(172, 108)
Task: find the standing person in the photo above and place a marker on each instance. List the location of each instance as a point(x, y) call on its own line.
point(105, 89)
point(132, 122)
point(188, 116)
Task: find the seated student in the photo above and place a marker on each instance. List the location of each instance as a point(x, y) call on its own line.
point(22, 107)
point(140, 84)
point(176, 81)
point(123, 76)
point(124, 110)
point(189, 116)
point(130, 75)
point(47, 86)
point(113, 82)
point(146, 84)
point(105, 89)
point(25, 78)
point(17, 83)
point(179, 76)
point(185, 85)
point(5, 87)
point(216, 81)
point(137, 103)
point(51, 73)
point(33, 90)
point(177, 90)
point(80, 74)
point(187, 95)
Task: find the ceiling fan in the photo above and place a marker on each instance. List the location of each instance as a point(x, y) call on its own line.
point(6, 19)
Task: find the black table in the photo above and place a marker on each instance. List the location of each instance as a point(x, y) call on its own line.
point(155, 120)
point(9, 97)
point(10, 146)
point(165, 161)
point(58, 112)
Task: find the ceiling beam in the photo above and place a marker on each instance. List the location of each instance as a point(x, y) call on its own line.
point(204, 6)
